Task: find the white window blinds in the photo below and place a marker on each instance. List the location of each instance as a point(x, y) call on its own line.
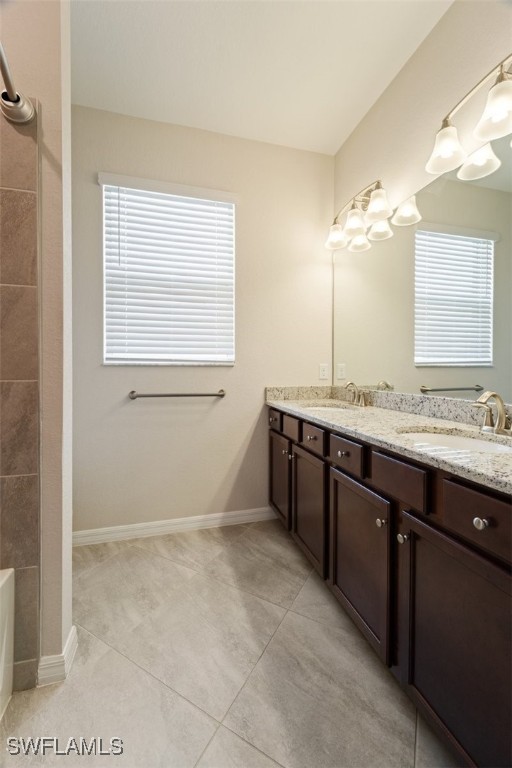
point(169, 278)
point(453, 299)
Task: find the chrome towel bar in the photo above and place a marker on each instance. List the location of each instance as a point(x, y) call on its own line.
point(476, 388)
point(133, 395)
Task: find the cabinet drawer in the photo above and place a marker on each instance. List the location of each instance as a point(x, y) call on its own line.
point(291, 427)
point(275, 419)
point(400, 480)
point(347, 455)
point(313, 438)
point(463, 507)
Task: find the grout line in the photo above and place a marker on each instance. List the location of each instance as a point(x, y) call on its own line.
point(96, 565)
point(17, 285)
point(415, 755)
point(147, 672)
point(18, 189)
point(220, 580)
point(207, 745)
point(29, 474)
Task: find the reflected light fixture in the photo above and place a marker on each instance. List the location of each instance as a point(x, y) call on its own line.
point(496, 121)
point(407, 213)
point(336, 237)
point(369, 208)
point(355, 224)
point(378, 207)
point(480, 163)
point(359, 243)
point(380, 231)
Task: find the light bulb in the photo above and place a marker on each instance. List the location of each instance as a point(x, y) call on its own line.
point(359, 243)
point(496, 120)
point(479, 164)
point(378, 207)
point(448, 152)
point(354, 224)
point(380, 231)
point(336, 238)
point(406, 213)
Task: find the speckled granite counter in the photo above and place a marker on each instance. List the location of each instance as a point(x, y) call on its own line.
point(389, 429)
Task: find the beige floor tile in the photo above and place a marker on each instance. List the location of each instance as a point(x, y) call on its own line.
point(206, 645)
point(119, 593)
point(320, 697)
point(430, 751)
point(316, 602)
point(265, 562)
point(90, 555)
point(227, 750)
point(107, 696)
point(193, 548)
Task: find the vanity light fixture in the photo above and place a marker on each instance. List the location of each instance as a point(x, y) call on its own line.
point(355, 224)
point(359, 243)
point(406, 213)
point(368, 209)
point(378, 206)
point(336, 238)
point(380, 231)
point(480, 163)
point(496, 121)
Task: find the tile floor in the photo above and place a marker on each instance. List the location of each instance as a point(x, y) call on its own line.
point(219, 648)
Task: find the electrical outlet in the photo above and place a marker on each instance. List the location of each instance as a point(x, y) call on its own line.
point(323, 371)
point(341, 371)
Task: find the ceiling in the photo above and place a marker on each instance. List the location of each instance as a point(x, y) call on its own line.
point(299, 74)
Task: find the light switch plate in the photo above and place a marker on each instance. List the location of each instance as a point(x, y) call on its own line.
point(341, 371)
point(323, 371)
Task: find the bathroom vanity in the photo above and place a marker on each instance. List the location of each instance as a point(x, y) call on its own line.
point(414, 540)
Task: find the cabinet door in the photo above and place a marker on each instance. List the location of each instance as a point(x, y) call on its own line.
point(309, 506)
point(280, 477)
point(456, 642)
point(359, 560)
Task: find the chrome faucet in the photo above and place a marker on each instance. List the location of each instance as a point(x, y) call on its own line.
point(502, 426)
point(359, 397)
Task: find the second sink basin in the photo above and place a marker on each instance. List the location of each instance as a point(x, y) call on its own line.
point(432, 440)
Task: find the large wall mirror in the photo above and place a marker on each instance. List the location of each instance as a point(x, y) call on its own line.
point(376, 304)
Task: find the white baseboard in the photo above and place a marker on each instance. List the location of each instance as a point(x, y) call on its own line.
point(159, 527)
point(54, 669)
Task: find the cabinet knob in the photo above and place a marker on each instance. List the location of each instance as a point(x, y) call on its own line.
point(341, 454)
point(480, 523)
point(402, 538)
point(272, 419)
point(380, 522)
point(311, 437)
point(285, 451)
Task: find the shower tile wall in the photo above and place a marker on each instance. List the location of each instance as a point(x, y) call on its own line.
point(19, 388)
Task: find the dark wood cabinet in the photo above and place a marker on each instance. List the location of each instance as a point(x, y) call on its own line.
point(455, 642)
point(280, 477)
point(359, 573)
point(309, 506)
point(421, 561)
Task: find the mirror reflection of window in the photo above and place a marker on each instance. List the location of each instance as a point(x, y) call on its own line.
point(453, 299)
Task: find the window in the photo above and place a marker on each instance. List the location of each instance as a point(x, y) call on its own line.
point(453, 299)
point(169, 274)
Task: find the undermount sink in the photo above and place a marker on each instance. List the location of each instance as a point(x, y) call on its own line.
point(433, 440)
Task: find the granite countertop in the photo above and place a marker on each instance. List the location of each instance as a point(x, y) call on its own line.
point(389, 429)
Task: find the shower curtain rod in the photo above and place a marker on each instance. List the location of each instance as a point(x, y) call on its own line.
point(14, 106)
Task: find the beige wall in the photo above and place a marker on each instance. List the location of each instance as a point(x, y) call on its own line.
point(32, 32)
point(374, 296)
point(158, 459)
point(395, 138)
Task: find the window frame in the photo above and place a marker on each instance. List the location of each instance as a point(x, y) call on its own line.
point(455, 231)
point(170, 188)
